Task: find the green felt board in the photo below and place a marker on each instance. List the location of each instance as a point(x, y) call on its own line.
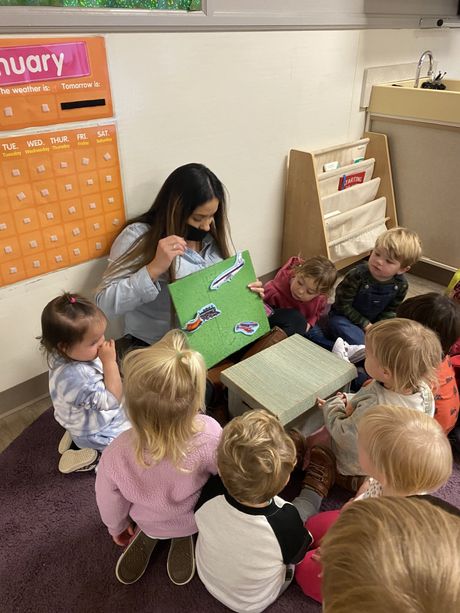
point(215, 339)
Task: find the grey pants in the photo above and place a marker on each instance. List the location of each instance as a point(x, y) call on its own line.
point(307, 503)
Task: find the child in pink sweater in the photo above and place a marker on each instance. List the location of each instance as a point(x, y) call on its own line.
point(151, 476)
point(304, 285)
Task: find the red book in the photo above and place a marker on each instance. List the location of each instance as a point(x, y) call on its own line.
point(355, 178)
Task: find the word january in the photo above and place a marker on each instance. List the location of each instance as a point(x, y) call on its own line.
point(31, 63)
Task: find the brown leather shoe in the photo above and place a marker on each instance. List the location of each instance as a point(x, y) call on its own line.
point(300, 446)
point(320, 473)
point(351, 483)
point(271, 338)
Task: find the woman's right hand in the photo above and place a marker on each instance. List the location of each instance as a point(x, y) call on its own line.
point(167, 249)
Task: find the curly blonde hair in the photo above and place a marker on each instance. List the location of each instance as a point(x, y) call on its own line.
point(164, 387)
point(255, 457)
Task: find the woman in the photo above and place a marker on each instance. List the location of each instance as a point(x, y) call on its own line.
point(185, 230)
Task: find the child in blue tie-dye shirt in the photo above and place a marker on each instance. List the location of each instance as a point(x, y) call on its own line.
point(84, 380)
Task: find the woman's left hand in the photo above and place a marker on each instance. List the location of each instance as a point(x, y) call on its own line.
point(257, 287)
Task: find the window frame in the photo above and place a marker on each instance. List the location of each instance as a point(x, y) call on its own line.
point(229, 15)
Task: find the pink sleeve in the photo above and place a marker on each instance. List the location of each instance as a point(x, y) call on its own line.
point(320, 309)
point(113, 507)
point(272, 295)
point(213, 432)
point(308, 576)
point(320, 523)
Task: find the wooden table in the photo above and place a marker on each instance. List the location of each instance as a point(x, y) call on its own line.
point(286, 379)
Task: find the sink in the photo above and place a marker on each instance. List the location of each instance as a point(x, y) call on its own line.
point(402, 100)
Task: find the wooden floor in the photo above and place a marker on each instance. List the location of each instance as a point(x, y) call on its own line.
point(12, 424)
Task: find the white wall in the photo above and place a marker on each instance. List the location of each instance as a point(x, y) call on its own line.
point(236, 101)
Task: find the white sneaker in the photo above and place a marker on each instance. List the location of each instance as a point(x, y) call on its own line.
point(349, 353)
point(65, 443)
point(78, 460)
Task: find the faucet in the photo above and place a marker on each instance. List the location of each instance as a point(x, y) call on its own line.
point(419, 66)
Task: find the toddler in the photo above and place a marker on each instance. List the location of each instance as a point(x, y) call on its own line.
point(151, 476)
point(84, 380)
point(442, 315)
point(303, 286)
point(403, 452)
point(402, 357)
point(393, 554)
point(372, 290)
point(248, 537)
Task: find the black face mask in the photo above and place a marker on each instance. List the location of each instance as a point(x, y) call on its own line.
point(194, 234)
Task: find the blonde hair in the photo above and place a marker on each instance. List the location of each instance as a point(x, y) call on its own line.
point(321, 270)
point(164, 386)
point(408, 350)
point(392, 554)
point(255, 457)
point(408, 448)
point(403, 245)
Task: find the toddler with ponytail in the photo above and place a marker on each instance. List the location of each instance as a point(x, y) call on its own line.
point(149, 479)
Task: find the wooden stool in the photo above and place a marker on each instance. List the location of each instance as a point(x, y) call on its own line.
point(286, 379)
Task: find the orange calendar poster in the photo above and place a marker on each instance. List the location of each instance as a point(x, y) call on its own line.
point(61, 200)
point(45, 81)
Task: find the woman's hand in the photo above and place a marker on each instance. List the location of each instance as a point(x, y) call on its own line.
point(125, 537)
point(167, 249)
point(257, 287)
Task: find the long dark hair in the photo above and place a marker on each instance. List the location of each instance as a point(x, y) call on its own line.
point(186, 188)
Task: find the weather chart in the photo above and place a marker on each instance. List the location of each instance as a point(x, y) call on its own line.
point(61, 196)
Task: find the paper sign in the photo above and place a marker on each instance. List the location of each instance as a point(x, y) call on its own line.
point(47, 81)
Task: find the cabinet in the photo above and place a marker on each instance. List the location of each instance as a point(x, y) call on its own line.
point(427, 185)
point(338, 213)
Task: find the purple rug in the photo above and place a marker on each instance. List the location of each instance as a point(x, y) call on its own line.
point(57, 556)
